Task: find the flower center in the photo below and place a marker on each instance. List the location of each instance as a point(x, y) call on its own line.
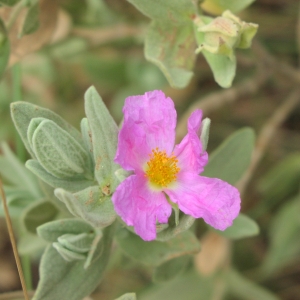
point(161, 168)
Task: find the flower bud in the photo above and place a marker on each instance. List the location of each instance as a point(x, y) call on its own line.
point(223, 34)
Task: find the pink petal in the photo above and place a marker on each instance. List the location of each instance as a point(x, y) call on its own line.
point(189, 152)
point(212, 199)
point(149, 122)
point(140, 207)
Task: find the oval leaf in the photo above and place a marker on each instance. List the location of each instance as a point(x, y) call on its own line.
point(242, 227)
point(155, 253)
point(58, 152)
point(230, 160)
point(51, 231)
point(90, 205)
point(70, 279)
point(37, 214)
point(104, 135)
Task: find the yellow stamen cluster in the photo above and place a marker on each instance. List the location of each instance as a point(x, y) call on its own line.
point(161, 169)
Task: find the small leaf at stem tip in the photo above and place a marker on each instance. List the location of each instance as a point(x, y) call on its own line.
point(31, 22)
point(204, 136)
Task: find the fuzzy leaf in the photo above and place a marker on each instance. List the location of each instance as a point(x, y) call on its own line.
point(80, 243)
point(155, 253)
point(87, 139)
point(222, 66)
point(104, 135)
point(70, 279)
point(70, 184)
point(242, 227)
point(31, 22)
point(128, 296)
point(218, 6)
point(185, 222)
point(170, 269)
point(172, 49)
point(38, 213)
point(90, 205)
point(51, 231)
point(231, 159)
point(57, 151)
point(174, 11)
point(23, 112)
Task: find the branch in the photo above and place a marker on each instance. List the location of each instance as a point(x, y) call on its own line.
point(216, 100)
point(267, 133)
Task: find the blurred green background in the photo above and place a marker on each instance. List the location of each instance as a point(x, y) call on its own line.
point(100, 43)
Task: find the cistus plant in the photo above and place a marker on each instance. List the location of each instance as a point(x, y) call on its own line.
point(106, 176)
point(131, 186)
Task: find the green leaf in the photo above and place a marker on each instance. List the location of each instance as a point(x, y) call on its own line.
point(175, 11)
point(67, 254)
point(57, 151)
point(17, 200)
point(38, 213)
point(222, 66)
point(172, 49)
point(4, 48)
point(231, 159)
point(242, 227)
point(87, 139)
point(219, 6)
point(185, 222)
point(279, 183)
point(155, 252)
point(90, 205)
point(80, 243)
point(128, 296)
point(104, 135)
point(205, 126)
point(243, 288)
point(70, 279)
point(31, 22)
point(171, 268)
point(9, 2)
point(190, 286)
point(284, 235)
point(70, 184)
point(23, 112)
point(51, 231)
point(31, 244)
point(15, 173)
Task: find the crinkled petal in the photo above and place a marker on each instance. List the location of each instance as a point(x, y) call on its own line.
point(140, 207)
point(149, 122)
point(190, 154)
point(212, 199)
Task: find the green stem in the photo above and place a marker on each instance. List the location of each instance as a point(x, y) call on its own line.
point(26, 266)
point(17, 96)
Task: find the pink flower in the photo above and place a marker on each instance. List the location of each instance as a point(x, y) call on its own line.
point(164, 173)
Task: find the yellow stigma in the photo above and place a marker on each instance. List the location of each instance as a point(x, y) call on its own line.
point(161, 169)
